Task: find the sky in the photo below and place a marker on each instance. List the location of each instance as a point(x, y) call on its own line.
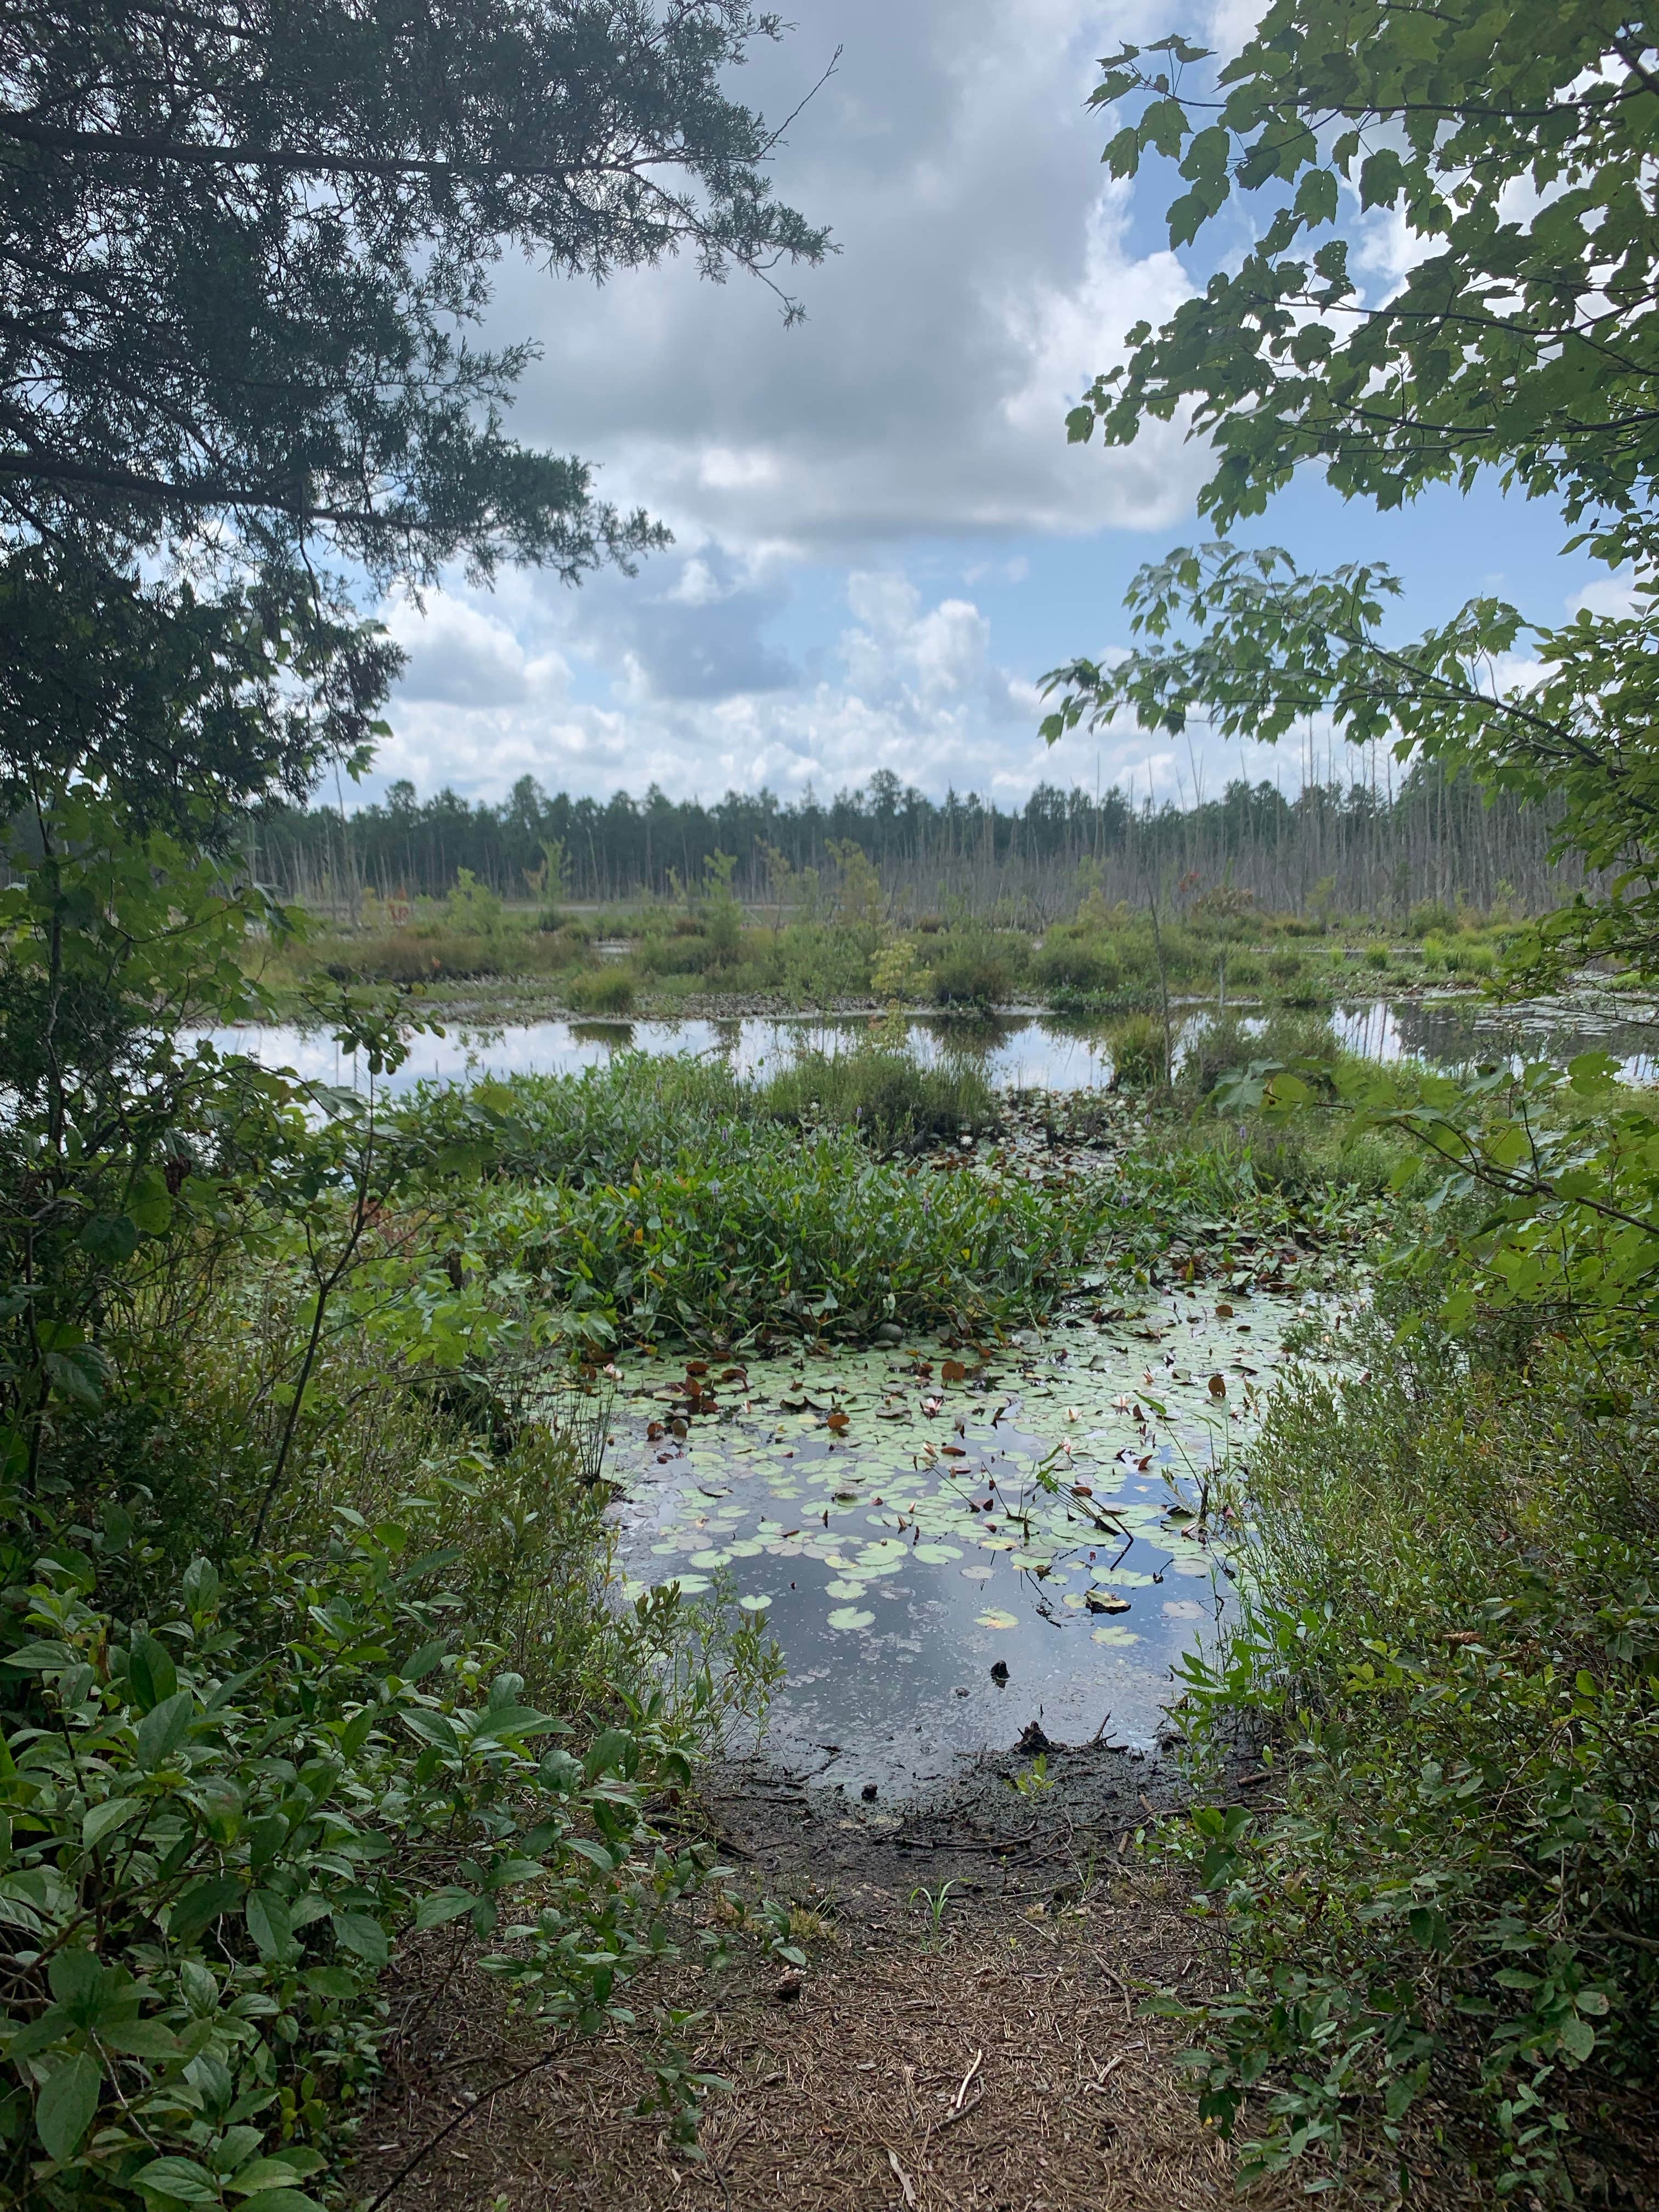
point(882, 536)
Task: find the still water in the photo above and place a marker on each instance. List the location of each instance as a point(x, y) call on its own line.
point(1014, 1051)
point(949, 1547)
point(951, 1544)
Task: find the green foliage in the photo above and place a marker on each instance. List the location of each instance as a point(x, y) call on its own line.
point(880, 1091)
point(1451, 1633)
point(772, 1231)
point(1223, 1045)
point(971, 975)
point(1545, 1183)
point(1509, 142)
point(389, 168)
point(224, 1815)
point(668, 1198)
point(1257, 645)
point(608, 990)
point(473, 909)
point(1139, 1052)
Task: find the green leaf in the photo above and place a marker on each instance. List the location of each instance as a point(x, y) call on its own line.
point(199, 1907)
point(442, 1905)
point(141, 2038)
point(109, 1238)
point(177, 2181)
point(161, 1732)
point(36, 1658)
point(269, 1925)
point(281, 2200)
point(114, 1813)
point(1578, 2037)
point(151, 1671)
point(361, 1934)
point(65, 2107)
point(262, 2173)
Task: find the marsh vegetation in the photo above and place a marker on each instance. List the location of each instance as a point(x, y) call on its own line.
point(414, 1493)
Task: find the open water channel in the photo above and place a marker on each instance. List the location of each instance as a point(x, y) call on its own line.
point(952, 1543)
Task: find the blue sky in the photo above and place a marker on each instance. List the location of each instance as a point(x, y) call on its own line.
point(882, 536)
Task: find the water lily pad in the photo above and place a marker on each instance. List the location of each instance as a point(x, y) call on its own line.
point(842, 1587)
point(849, 1616)
point(688, 1585)
point(710, 1558)
point(1114, 1631)
point(753, 1602)
point(936, 1555)
point(996, 1618)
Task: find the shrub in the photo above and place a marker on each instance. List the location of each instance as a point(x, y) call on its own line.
point(1286, 966)
point(1071, 960)
point(1137, 1047)
point(966, 977)
point(1433, 918)
point(471, 909)
point(896, 973)
point(607, 990)
point(225, 1817)
point(759, 1231)
point(685, 952)
point(1451, 1632)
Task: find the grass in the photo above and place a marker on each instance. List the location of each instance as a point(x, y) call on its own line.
point(883, 1092)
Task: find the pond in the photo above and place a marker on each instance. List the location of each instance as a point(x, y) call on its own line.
point(1014, 1051)
point(951, 1545)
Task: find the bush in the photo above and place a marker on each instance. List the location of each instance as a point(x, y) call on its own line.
point(882, 1092)
point(1137, 1047)
point(966, 977)
point(1433, 918)
point(759, 1231)
point(1071, 960)
point(1451, 1632)
point(225, 1817)
point(602, 991)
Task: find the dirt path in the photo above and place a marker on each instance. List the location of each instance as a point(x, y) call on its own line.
point(983, 2053)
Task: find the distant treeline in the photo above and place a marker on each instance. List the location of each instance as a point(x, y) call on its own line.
point(1352, 849)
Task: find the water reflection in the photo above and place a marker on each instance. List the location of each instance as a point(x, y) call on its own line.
point(1017, 1051)
point(945, 1549)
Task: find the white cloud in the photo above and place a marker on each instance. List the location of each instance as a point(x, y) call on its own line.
point(984, 277)
point(1614, 596)
point(911, 684)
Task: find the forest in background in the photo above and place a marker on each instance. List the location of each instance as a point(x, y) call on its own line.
point(1354, 848)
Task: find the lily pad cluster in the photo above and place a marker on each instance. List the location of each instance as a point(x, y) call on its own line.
point(1078, 1470)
